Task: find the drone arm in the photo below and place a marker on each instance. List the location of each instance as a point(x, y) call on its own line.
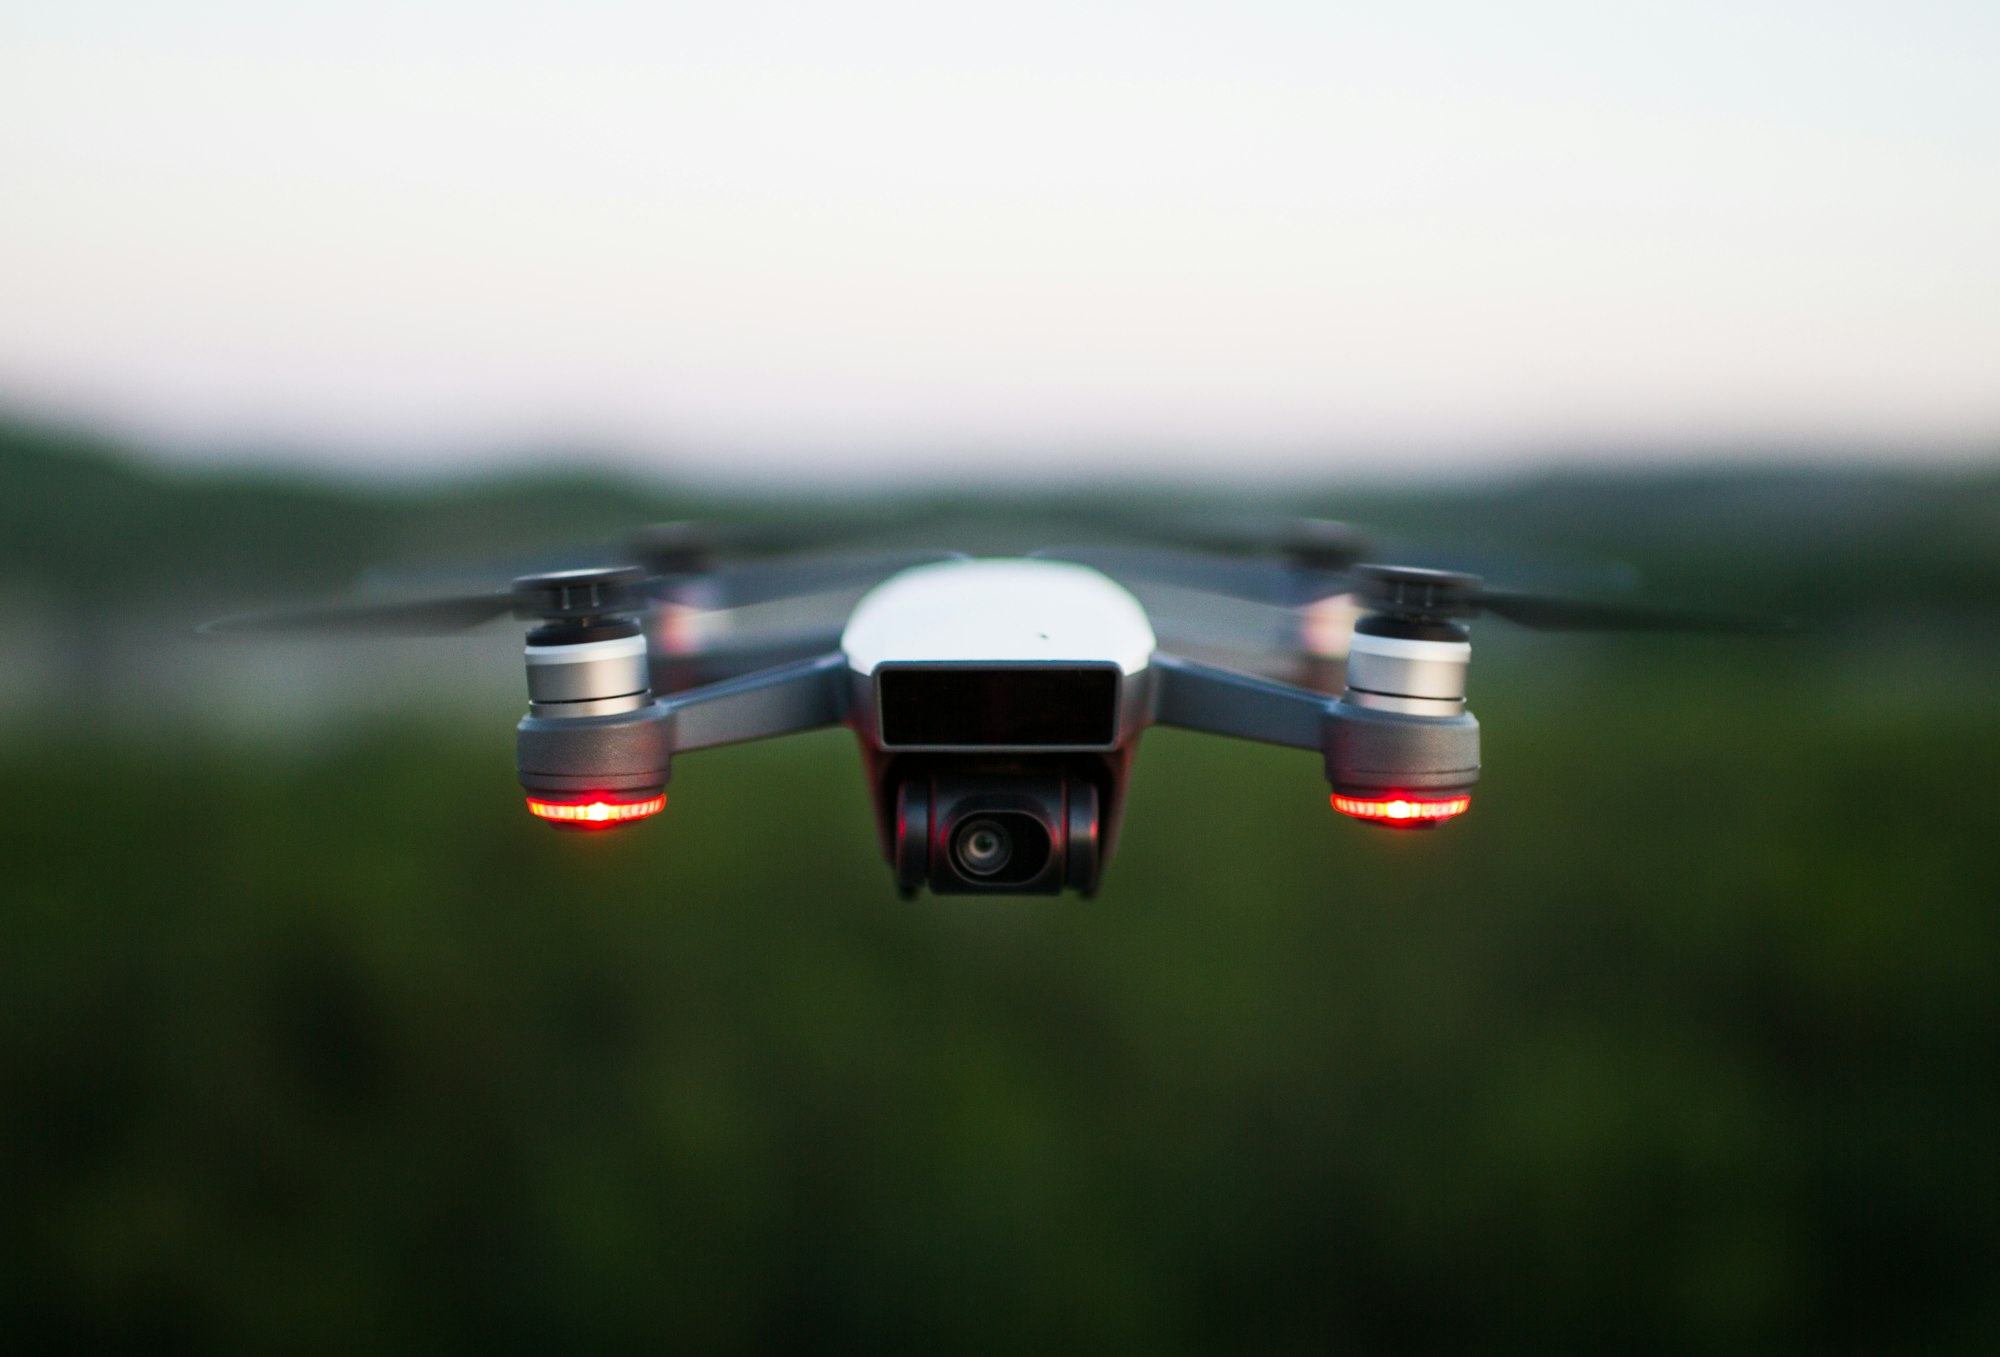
point(631, 753)
point(1385, 766)
point(779, 701)
point(1222, 702)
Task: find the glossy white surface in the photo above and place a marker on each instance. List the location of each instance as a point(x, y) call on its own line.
point(1005, 611)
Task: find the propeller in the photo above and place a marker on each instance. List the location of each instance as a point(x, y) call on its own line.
point(1269, 582)
point(673, 550)
point(696, 546)
point(556, 595)
point(1289, 561)
point(1323, 544)
point(669, 565)
point(423, 617)
point(1439, 595)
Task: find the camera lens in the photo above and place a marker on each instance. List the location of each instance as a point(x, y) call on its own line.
point(982, 847)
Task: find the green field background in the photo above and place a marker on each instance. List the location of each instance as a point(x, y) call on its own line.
point(1683, 1039)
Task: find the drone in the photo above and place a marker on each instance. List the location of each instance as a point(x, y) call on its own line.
point(997, 702)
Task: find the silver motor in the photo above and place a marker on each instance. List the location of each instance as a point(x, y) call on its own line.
point(598, 677)
point(589, 753)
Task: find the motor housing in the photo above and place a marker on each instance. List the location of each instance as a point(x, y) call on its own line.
point(1401, 748)
point(591, 753)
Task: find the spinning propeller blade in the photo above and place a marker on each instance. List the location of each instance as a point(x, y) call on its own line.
point(1268, 582)
point(1407, 591)
point(1290, 562)
point(422, 617)
point(676, 562)
point(1544, 612)
point(590, 591)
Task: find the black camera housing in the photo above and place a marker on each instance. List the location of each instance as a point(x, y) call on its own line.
point(1050, 814)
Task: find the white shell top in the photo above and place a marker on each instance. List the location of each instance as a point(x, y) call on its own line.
point(1004, 611)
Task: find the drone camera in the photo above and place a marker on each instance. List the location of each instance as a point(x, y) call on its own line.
point(1005, 847)
point(973, 832)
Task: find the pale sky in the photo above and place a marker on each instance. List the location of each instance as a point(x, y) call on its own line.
point(761, 240)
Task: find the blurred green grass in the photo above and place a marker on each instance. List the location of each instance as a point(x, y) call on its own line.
point(1683, 1039)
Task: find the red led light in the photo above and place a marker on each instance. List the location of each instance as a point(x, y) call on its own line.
point(1401, 810)
point(596, 813)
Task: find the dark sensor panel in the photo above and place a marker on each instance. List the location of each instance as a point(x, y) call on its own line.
point(1011, 706)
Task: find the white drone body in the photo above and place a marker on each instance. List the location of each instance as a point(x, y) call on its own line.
point(998, 612)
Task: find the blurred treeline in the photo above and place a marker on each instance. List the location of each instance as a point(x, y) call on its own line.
point(1683, 1039)
point(84, 519)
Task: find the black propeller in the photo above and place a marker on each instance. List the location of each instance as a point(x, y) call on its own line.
point(423, 617)
point(1418, 592)
point(668, 572)
point(1425, 595)
point(1271, 582)
point(1323, 544)
point(695, 546)
point(1289, 561)
point(557, 595)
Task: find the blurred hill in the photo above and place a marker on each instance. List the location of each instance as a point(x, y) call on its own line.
point(110, 556)
point(89, 518)
point(86, 513)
